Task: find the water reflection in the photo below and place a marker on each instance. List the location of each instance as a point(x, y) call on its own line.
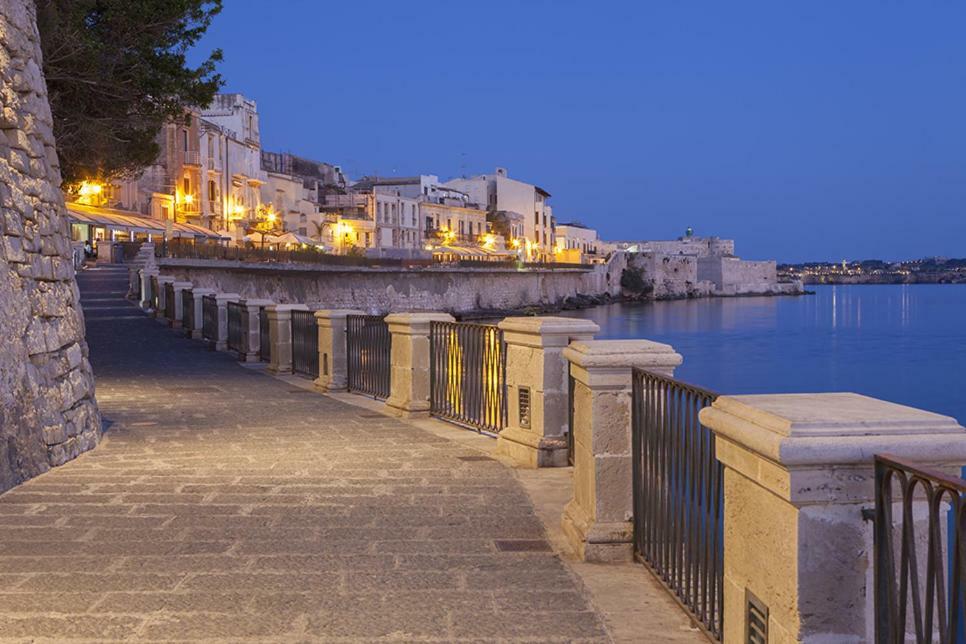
point(904, 343)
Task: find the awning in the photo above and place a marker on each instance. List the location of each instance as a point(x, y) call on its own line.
point(123, 220)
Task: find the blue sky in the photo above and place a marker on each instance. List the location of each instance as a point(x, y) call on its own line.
point(804, 130)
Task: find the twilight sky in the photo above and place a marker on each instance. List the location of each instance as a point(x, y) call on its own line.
point(804, 130)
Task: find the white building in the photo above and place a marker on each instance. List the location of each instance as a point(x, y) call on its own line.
point(577, 243)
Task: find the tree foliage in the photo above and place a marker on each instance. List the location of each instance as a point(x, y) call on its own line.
point(116, 71)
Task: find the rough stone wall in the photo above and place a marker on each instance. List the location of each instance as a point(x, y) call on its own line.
point(48, 414)
point(672, 275)
point(390, 290)
point(732, 276)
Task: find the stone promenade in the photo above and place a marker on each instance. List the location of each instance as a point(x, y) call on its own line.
point(225, 504)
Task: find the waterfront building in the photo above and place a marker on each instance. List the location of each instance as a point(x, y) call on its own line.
point(577, 243)
point(524, 207)
point(296, 187)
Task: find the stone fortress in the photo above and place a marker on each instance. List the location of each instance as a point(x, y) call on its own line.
point(701, 267)
point(47, 410)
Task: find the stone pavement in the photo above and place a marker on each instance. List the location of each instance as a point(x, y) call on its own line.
point(227, 505)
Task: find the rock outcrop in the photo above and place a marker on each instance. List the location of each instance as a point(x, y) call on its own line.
point(48, 414)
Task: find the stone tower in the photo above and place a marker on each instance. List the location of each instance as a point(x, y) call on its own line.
point(48, 414)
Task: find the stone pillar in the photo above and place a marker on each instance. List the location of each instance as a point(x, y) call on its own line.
point(163, 280)
point(536, 371)
point(598, 521)
point(280, 335)
point(176, 323)
point(409, 379)
point(197, 316)
point(798, 473)
point(221, 343)
point(252, 337)
point(332, 349)
point(146, 274)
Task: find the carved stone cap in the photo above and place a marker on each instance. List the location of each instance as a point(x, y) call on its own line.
point(228, 297)
point(182, 285)
point(415, 323)
point(546, 331)
point(203, 291)
point(604, 354)
point(165, 279)
point(336, 313)
point(834, 429)
point(257, 302)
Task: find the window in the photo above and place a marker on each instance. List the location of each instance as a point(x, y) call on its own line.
point(184, 139)
point(536, 218)
point(212, 190)
point(537, 234)
point(186, 185)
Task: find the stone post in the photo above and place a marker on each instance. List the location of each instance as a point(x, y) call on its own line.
point(798, 473)
point(536, 373)
point(221, 343)
point(163, 280)
point(252, 337)
point(280, 335)
point(409, 379)
point(598, 521)
point(332, 349)
point(197, 315)
point(176, 323)
point(146, 274)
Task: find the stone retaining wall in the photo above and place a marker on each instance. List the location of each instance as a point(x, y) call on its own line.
point(383, 290)
point(48, 414)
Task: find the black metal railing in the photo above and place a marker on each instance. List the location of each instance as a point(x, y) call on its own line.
point(209, 318)
point(678, 521)
point(305, 343)
point(919, 597)
point(571, 389)
point(237, 326)
point(153, 292)
point(368, 347)
point(187, 311)
point(169, 301)
point(467, 370)
point(264, 339)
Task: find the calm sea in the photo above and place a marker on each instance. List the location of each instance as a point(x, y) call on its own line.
point(906, 344)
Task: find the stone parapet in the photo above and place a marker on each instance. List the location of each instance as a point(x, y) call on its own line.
point(409, 363)
point(198, 314)
point(252, 336)
point(333, 364)
point(178, 320)
point(798, 473)
point(221, 341)
point(536, 376)
point(280, 335)
point(163, 281)
point(598, 521)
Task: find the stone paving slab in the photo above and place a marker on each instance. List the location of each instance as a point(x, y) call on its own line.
point(225, 505)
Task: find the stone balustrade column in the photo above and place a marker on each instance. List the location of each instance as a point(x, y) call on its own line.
point(536, 374)
point(179, 315)
point(252, 336)
point(197, 315)
point(280, 335)
point(598, 521)
point(163, 280)
point(798, 473)
point(221, 341)
point(146, 274)
point(409, 379)
point(333, 373)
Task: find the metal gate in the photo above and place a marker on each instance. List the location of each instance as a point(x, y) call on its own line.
point(187, 311)
point(468, 375)
point(368, 347)
point(305, 343)
point(237, 325)
point(169, 302)
point(678, 523)
point(264, 339)
point(209, 318)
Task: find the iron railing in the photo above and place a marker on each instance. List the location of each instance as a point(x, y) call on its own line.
point(677, 480)
point(467, 370)
point(209, 318)
point(264, 339)
point(368, 346)
point(169, 301)
point(305, 343)
point(187, 311)
point(237, 326)
point(153, 293)
point(928, 539)
point(571, 387)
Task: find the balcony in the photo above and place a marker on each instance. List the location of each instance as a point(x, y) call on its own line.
point(192, 157)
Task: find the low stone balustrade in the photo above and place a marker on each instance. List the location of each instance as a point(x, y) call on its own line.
point(251, 336)
point(333, 374)
point(798, 474)
point(280, 335)
point(163, 281)
point(198, 314)
point(221, 342)
point(598, 521)
point(179, 315)
point(537, 388)
point(409, 379)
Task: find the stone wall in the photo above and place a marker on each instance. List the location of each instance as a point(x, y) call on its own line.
point(48, 414)
point(382, 290)
point(671, 275)
point(733, 276)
